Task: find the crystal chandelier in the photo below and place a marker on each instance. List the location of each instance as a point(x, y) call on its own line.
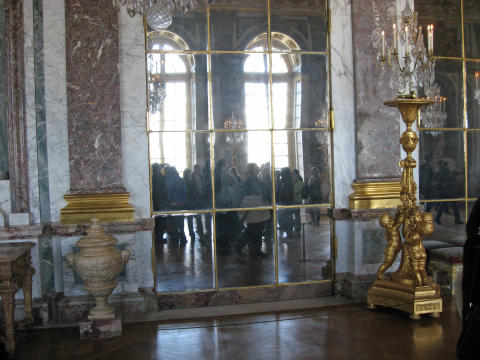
point(232, 123)
point(435, 115)
point(157, 93)
point(414, 68)
point(159, 13)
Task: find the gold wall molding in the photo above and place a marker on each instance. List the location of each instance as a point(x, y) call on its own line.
point(81, 208)
point(375, 195)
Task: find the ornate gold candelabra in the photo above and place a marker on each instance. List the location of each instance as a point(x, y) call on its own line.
point(409, 288)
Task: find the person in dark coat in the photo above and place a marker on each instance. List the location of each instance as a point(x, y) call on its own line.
point(177, 198)
point(468, 346)
point(285, 197)
point(158, 202)
point(315, 194)
point(473, 239)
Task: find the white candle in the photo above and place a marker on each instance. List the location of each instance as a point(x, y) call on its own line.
point(383, 44)
point(431, 38)
point(428, 38)
point(395, 37)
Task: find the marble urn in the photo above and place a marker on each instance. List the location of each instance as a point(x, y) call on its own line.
point(98, 263)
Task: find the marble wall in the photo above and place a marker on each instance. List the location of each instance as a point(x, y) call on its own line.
point(93, 97)
point(133, 100)
point(377, 126)
point(56, 104)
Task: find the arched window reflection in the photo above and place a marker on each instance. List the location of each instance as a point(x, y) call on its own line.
point(286, 104)
point(170, 88)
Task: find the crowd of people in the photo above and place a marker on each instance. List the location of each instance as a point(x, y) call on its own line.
point(233, 190)
point(440, 183)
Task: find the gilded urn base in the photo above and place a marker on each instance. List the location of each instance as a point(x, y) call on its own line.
point(415, 300)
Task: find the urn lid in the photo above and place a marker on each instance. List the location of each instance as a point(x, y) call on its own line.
point(96, 236)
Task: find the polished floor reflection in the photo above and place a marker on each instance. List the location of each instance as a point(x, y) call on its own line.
point(186, 263)
point(449, 221)
point(337, 332)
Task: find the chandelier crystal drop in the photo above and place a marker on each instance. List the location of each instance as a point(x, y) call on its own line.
point(159, 13)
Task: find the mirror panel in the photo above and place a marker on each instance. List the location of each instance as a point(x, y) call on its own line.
point(304, 252)
point(241, 171)
point(471, 23)
point(180, 171)
point(442, 168)
point(473, 95)
point(447, 111)
point(245, 248)
point(190, 28)
point(299, 25)
point(300, 96)
point(240, 91)
point(473, 139)
point(183, 252)
point(235, 25)
point(446, 19)
point(308, 154)
point(177, 92)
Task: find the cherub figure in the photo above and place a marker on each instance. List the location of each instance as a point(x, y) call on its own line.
point(416, 252)
point(394, 241)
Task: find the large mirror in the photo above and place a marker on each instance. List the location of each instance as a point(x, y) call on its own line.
point(240, 146)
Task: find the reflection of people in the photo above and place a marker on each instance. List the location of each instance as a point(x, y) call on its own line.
point(426, 181)
point(298, 192)
point(255, 220)
point(446, 189)
point(394, 241)
point(285, 197)
point(158, 201)
point(315, 194)
point(177, 197)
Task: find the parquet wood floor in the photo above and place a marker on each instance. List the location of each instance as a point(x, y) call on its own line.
point(338, 332)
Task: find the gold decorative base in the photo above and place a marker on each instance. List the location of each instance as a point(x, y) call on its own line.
point(415, 300)
point(375, 195)
point(82, 208)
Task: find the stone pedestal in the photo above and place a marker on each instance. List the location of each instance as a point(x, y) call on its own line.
point(100, 328)
point(415, 300)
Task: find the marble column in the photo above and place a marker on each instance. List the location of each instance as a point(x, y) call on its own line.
point(93, 111)
point(15, 95)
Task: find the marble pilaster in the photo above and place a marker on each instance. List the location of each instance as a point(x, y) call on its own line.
point(16, 117)
point(343, 99)
point(56, 104)
point(93, 97)
point(40, 113)
point(30, 113)
point(133, 100)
